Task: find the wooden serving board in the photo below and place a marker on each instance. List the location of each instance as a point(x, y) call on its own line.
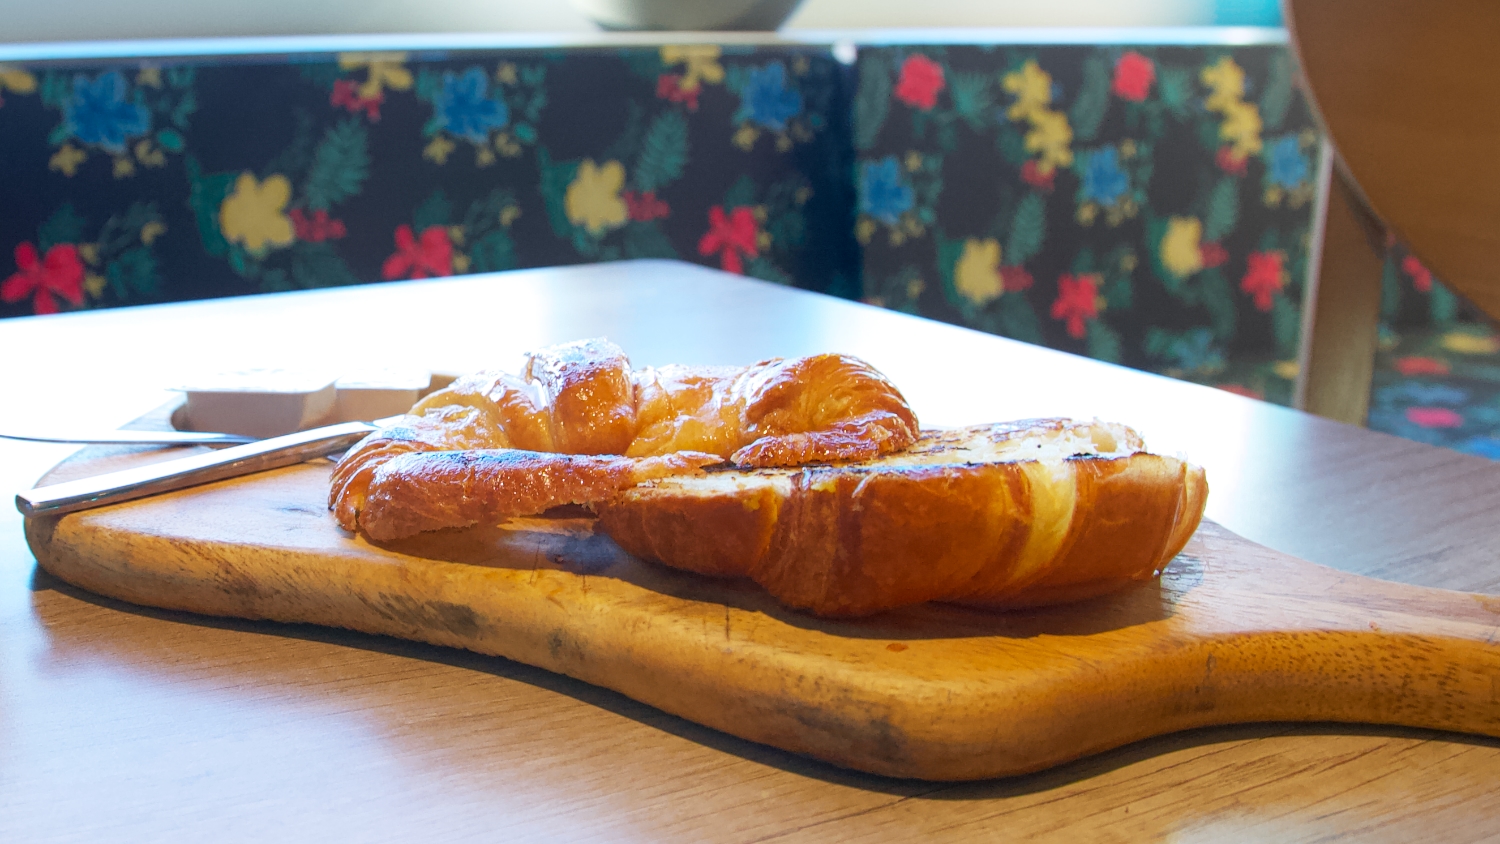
point(1233, 632)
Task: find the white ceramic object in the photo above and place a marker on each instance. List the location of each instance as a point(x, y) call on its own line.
point(372, 395)
point(688, 15)
point(260, 402)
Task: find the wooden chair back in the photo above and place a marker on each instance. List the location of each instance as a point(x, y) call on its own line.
point(1409, 93)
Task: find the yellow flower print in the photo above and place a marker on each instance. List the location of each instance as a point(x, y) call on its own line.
point(593, 199)
point(1242, 124)
point(1227, 81)
point(148, 77)
point(1465, 343)
point(1032, 87)
point(505, 73)
point(94, 284)
point(702, 63)
point(1179, 246)
point(439, 149)
point(16, 80)
point(124, 167)
point(977, 273)
point(1050, 136)
point(149, 154)
point(1241, 127)
point(254, 213)
point(746, 137)
point(66, 160)
point(1285, 370)
point(152, 230)
point(386, 70)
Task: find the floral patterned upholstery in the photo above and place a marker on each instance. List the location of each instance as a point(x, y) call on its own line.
point(1143, 205)
point(141, 181)
point(1148, 205)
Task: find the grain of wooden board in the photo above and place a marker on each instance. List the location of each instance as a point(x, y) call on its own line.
point(1233, 633)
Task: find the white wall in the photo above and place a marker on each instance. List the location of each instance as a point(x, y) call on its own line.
point(72, 20)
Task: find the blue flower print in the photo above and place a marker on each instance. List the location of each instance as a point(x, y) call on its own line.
point(1482, 446)
point(1393, 421)
point(766, 100)
point(882, 193)
point(1103, 180)
point(1285, 163)
point(464, 107)
point(1196, 352)
point(1416, 393)
point(99, 114)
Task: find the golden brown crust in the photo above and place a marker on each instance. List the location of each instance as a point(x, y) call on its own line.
point(822, 408)
point(583, 398)
point(590, 396)
point(851, 540)
point(421, 491)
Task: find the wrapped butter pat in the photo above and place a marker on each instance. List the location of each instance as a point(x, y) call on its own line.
point(260, 402)
point(372, 395)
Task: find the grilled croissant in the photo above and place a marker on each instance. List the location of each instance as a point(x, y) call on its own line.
point(1010, 515)
point(583, 398)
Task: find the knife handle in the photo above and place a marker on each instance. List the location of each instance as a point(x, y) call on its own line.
point(168, 475)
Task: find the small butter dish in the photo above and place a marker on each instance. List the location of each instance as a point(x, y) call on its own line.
point(363, 396)
point(260, 402)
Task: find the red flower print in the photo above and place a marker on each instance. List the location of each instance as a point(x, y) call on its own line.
point(317, 228)
point(1230, 163)
point(669, 88)
point(1077, 301)
point(346, 96)
point(1032, 175)
point(730, 236)
point(1015, 279)
point(1410, 366)
point(921, 81)
point(1264, 277)
point(645, 206)
point(1134, 74)
point(59, 273)
point(1212, 255)
point(1421, 277)
point(1434, 417)
point(1241, 390)
point(432, 255)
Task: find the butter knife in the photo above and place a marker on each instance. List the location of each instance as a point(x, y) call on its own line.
point(136, 438)
point(168, 475)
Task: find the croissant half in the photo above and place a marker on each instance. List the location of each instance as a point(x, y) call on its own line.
point(583, 398)
point(1004, 516)
point(808, 476)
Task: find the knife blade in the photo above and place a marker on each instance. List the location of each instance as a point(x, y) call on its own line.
point(168, 475)
point(136, 438)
